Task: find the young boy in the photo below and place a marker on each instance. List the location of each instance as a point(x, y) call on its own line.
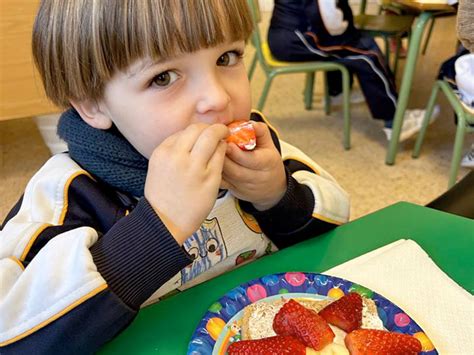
point(150, 198)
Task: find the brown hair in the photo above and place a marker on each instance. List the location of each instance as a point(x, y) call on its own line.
point(78, 45)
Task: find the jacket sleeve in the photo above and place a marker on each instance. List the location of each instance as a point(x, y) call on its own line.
point(314, 202)
point(64, 264)
point(332, 16)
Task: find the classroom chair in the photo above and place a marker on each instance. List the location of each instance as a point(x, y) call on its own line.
point(273, 67)
point(464, 125)
point(386, 27)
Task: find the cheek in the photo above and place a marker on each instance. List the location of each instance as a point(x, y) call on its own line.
point(144, 129)
point(242, 98)
point(163, 123)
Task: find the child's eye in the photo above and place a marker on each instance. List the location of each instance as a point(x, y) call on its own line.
point(165, 78)
point(229, 58)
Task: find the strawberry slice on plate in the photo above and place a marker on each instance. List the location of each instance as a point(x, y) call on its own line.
point(345, 313)
point(242, 134)
point(372, 342)
point(304, 324)
point(273, 345)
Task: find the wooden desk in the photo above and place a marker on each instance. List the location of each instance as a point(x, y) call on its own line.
point(425, 6)
point(166, 327)
point(21, 93)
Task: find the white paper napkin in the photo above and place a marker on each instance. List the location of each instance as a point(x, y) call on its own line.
point(403, 273)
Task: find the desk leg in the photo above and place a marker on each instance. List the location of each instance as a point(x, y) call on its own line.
point(405, 88)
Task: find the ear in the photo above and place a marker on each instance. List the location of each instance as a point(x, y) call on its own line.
point(93, 113)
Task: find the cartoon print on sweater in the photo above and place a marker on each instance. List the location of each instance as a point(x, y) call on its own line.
point(206, 247)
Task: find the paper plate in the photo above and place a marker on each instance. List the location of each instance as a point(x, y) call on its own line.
point(220, 325)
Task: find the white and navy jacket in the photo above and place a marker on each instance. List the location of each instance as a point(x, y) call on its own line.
point(330, 20)
point(78, 258)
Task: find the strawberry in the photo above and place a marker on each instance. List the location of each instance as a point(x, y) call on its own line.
point(372, 342)
point(304, 324)
point(345, 313)
point(273, 345)
point(242, 133)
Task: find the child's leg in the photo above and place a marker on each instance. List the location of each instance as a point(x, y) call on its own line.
point(365, 60)
point(335, 82)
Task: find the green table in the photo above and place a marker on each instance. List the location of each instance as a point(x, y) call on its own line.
point(426, 12)
point(166, 327)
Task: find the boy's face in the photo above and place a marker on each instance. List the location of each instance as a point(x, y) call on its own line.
point(151, 101)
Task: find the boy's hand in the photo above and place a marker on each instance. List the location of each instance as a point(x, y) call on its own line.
point(256, 176)
point(184, 174)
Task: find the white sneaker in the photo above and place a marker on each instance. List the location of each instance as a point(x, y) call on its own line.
point(412, 122)
point(468, 160)
point(356, 97)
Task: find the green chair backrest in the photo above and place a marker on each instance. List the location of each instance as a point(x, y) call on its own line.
point(256, 38)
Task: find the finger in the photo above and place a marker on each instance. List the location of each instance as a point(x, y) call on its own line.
point(234, 172)
point(254, 160)
point(170, 140)
point(238, 155)
point(215, 167)
point(208, 142)
point(217, 159)
point(186, 139)
point(263, 135)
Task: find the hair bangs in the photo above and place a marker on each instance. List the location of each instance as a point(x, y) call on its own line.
point(162, 29)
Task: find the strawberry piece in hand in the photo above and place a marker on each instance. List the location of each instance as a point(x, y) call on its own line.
point(345, 313)
point(304, 324)
point(272, 345)
point(372, 341)
point(242, 133)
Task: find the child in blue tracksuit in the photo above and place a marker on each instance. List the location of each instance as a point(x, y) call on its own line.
point(447, 72)
point(150, 198)
point(323, 30)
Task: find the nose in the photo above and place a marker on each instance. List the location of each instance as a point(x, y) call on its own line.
point(213, 100)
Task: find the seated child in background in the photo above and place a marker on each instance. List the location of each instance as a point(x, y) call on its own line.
point(324, 30)
point(465, 29)
point(458, 71)
point(150, 197)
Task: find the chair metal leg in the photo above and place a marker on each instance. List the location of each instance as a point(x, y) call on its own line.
point(327, 97)
point(308, 90)
point(346, 107)
point(253, 64)
point(263, 96)
point(387, 50)
point(426, 121)
point(405, 87)
point(457, 149)
point(427, 39)
point(397, 56)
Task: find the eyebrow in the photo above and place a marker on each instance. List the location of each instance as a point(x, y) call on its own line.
point(143, 66)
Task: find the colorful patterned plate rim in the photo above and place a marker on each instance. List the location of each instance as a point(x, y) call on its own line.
point(218, 328)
